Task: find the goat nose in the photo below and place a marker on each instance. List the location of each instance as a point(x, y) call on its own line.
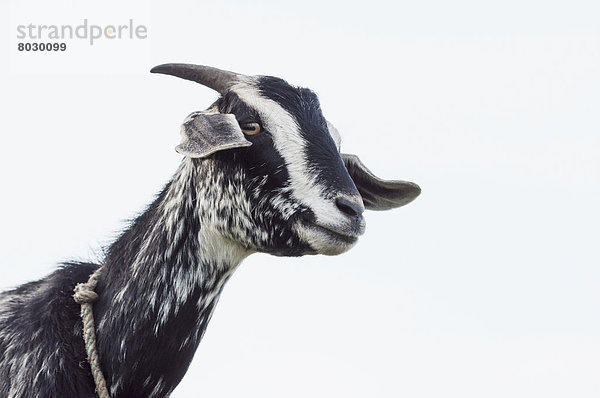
point(348, 207)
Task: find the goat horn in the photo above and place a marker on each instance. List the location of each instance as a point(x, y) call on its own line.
point(217, 79)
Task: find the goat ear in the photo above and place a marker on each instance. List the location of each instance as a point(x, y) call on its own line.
point(378, 194)
point(335, 134)
point(203, 134)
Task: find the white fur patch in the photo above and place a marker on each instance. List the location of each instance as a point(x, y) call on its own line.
point(291, 145)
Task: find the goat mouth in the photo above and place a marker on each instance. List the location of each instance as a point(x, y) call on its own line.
point(348, 237)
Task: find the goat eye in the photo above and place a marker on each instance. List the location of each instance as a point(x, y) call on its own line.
point(251, 128)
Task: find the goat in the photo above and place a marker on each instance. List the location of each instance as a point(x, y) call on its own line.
point(262, 172)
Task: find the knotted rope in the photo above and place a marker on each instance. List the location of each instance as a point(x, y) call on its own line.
point(85, 296)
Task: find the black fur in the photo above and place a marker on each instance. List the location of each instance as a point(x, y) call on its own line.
point(152, 361)
point(158, 287)
point(321, 153)
point(40, 319)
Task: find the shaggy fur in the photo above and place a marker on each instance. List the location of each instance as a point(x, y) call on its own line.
point(288, 193)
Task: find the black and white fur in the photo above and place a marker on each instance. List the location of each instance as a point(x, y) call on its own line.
point(286, 191)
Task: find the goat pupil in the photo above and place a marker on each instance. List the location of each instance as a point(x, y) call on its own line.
point(251, 128)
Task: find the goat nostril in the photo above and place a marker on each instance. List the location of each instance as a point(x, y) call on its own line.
point(348, 207)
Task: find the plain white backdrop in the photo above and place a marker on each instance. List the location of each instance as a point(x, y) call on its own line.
point(485, 286)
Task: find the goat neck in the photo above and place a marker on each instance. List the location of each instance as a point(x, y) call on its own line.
point(161, 282)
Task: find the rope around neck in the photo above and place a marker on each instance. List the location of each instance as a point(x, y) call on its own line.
point(85, 296)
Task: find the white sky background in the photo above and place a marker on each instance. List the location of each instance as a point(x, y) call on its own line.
point(485, 286)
